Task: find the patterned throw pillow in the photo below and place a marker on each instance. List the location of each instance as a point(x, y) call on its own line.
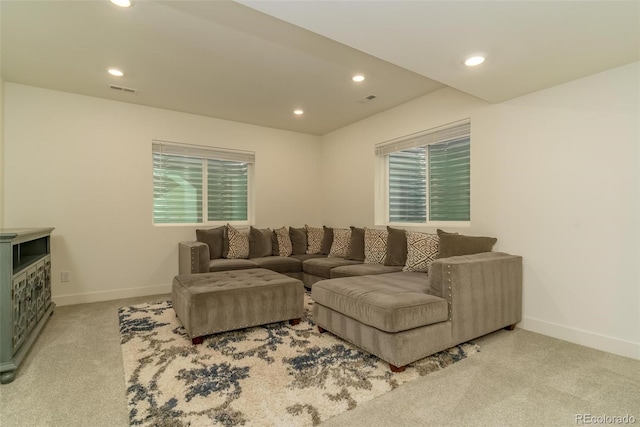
point(314, 239)
point(284, 241)
point(422, 249)
point(340, 245)
point(238, 243)
point(375, 245)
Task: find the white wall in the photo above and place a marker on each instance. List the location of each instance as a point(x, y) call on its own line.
point(555, 176)
point(83, 165)
point(1, 152)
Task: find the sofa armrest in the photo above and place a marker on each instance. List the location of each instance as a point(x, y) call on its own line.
point(483, 291)
point(193, 257)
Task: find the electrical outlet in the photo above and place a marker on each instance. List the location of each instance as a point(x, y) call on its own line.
point(65, 276)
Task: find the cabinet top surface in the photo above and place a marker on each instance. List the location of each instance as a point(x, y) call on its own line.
point(12, 233)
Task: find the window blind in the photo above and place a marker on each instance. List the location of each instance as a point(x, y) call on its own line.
point(191, 183)
point(177, 189)
point(449, 180)
point(227, 190)
point(201, 152)
point(429, 175)
point(443, 133)
point(408, 186)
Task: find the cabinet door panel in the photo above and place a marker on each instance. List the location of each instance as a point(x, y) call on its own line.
point(32, 307)
point(39, 289)
point(19, 310)
point(47, 282)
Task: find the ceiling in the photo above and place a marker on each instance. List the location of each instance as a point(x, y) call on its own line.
point(256, 62)
point(529, 45)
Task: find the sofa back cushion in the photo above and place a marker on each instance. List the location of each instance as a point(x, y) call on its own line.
point(214, 238)
point(459, 244)
point(396, 247)
point(356, 244)
point(327, 240)
point(298, 238)
point(260, 244)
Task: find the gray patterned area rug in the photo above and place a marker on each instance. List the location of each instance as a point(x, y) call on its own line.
point(272, 375)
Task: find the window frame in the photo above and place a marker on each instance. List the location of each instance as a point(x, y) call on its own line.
point(382, 187)
point(205, 153)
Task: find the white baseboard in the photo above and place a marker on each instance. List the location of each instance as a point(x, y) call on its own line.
point(582, 337)
point(72, 299)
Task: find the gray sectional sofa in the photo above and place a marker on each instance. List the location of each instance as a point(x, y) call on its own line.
point(199, 257)
point(462, 291)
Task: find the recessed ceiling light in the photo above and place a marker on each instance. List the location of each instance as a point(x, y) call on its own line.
point(115, 72)
point(358, 78)
point(121, 3)
point(298, 112)
point(473, 61)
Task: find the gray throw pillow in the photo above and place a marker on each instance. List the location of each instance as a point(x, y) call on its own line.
point(298, 238)
point(214, 238)
point(356, 245)
point(396, 247)
point(260, 244)
point(275, 249)
point(458, 244)
point(327, 240)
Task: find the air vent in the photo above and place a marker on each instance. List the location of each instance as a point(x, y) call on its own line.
point(367, 99)
point(123, 89)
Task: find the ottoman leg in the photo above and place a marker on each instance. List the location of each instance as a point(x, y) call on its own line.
point(397, 368)
point(321, 329)
point(196, 340)
point(294, 322)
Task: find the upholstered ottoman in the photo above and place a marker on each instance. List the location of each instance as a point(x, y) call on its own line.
point(209, 303)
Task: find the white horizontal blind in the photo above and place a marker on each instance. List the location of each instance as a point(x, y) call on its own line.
point(227, 190)
point(449, 180)
point(201, 152)
point(429, 172)
point(447, 132)
point(177, 189)
point(408, 186)
point(184, 173)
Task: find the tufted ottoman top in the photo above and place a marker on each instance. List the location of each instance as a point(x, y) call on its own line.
point(226, 300)
point(233, 280)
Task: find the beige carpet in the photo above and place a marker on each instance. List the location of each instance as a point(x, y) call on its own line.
point(73, 377)
point(271, 375)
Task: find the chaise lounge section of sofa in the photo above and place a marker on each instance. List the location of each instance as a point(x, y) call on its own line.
point(403, 317)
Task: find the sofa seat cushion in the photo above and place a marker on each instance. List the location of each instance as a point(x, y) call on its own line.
point(322, 266)
point(223, 264)
point(363, 270)
point(379, 302)
point(279, 264)
point(304, 257)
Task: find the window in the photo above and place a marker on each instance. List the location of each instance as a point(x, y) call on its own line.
point(425, 177)
point(193, 184)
